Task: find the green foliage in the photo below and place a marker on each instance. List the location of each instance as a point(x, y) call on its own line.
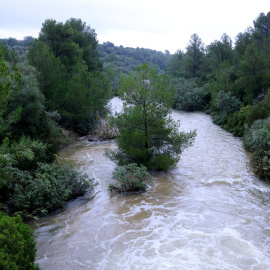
point(47, 188)
point(66, 57)
point(176, 67)
point(124, 60)
point(41, 124)
point(52, 74)
point(225, 104)
point(256, 140)
point(147, 135)
point(10, 84)
point(219, 52)
point(193, 58)
point(236, 122)
point(86, 38)
point(253, 73)
point(247, 115)
point(130, 178)
point(189, 96)
point(23, 154)
point(85, 98)
point(17, 47)
point(17, 245)
point(257, 136)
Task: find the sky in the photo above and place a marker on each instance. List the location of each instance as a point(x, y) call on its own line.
point(159, 25)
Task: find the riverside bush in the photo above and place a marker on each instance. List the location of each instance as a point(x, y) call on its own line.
point(256, 140)
point(226, 104)
point(17, 245)
point(247, 115)
point(48, 188)
point(189, 96)
point(238, 120)
point(130, 178)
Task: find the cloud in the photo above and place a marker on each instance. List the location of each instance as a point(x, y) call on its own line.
point(136, 23)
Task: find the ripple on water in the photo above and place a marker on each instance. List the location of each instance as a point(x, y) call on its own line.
point(209, 212)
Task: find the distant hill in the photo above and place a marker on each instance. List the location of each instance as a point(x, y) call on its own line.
point(20, 46)
point(124, 59)
point(121, 59)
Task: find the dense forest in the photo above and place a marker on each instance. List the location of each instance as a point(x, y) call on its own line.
point(63, 80)
point(231, 82)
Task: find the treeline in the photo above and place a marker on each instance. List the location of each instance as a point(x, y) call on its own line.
point(125, 59)
point(118, 61)
point(19, 46)
point(232, 84)
point(55, 80)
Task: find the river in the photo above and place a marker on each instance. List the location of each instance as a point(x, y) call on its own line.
point(209, 212)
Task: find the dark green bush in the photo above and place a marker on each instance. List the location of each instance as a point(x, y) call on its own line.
point(237, 121)
point(163, 162)
point(48, 188)
point(235, 125)
point(189, 96)
point(226, 104)
point(17, 245)
point(257, 141)
point(130, 178)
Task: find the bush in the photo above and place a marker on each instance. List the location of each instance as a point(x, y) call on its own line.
point(17, 245)
point(48, 188)
point(130, 178)
point(237, 121)
point(257, 137)
point(163, 162)
point(257, 141)
point(226, 104)
point(189, 96)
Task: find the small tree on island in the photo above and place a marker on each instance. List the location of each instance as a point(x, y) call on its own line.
point(147, 134)
point(130, 178)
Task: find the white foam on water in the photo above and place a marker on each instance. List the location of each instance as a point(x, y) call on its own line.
point(209, 212)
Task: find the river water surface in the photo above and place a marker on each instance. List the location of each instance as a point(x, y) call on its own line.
point(209, 212)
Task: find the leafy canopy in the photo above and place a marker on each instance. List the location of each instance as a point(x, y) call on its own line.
point(147, 133)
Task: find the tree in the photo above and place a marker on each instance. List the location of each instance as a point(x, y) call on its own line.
point(241, 43)
point(86, 38)
point(253, 73)
point(219, 52)
point(17, 244)
point(66, 57)
point(10, 85)
point(194, 56)
point(52, 74)
point(262, 27)
point(85, 98)
point(175, 65)
point(147, 133)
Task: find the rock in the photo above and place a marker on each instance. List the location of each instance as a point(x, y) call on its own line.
point(93, 138)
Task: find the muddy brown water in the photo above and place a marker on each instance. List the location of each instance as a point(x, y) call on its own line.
point(209, 212)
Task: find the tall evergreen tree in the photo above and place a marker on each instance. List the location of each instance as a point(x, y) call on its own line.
point(147, 134)
point(66, 56)
point(194, 57)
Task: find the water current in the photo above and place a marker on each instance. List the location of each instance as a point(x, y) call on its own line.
point(209, 212)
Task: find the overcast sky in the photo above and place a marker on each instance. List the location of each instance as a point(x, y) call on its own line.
point(160, 25)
